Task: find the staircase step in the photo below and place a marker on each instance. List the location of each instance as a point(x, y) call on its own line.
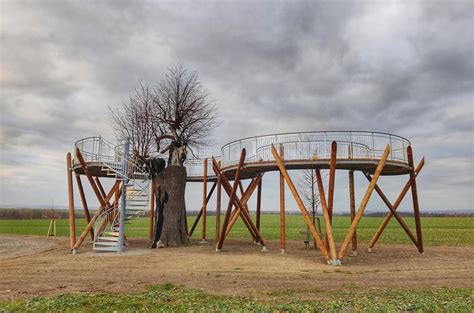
point(106, 243)
point(111, 249)
point(112, 233)
point(104, 238)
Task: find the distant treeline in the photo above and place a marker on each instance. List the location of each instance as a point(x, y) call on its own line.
point(29, 214)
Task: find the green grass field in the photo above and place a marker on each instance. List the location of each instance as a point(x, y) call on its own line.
point(452, 231)
point(168, 297)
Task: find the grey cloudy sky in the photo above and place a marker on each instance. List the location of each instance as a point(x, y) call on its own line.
point(271, 66)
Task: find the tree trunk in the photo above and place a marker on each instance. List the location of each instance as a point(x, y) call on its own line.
point(172, 181)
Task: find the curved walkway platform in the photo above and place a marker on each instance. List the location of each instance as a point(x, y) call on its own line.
point(356, 150)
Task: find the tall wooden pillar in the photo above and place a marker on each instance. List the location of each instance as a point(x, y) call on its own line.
point(259, 204)
point(151, 226)
point(352, 208)
point(218, 206)
point(204, 201)
point(282, 205)
point(414, 194)
point(72, 217)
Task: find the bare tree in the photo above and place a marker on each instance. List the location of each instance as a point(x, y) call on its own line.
point(184, 113)
point(132, 120)
point(308, 186)
point(178, 112)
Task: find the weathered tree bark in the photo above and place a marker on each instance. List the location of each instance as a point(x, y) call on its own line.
point(173, 182)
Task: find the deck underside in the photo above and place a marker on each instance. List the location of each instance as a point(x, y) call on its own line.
point(252, 169)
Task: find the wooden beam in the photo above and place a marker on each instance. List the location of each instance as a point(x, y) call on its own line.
point(72, 216)
point(84, 202)
point(259, 204)
point(414, 194)
point(282, 205)
point(332, 178)
point(243, 200)
point(198, 217)
point(397, 202)
point(85, 168)
point(101, 188)
point(394, 212)
point(99, 211)
point(363, 204)
point(204, 201)
point(231, 197)
point(236, 202)
point(299, 202)
point(331, 246)
point(242, 203)
point(352, 210)
point(218, 207)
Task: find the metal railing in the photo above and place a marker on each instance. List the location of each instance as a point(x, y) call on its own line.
point(311, 145)
point(297, 146)
point(97, 149)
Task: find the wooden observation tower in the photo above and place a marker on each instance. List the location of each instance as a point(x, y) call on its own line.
point(373, 154)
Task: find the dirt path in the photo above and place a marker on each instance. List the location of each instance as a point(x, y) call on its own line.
point(48, 268)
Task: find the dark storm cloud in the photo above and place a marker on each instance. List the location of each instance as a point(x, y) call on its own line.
point(405, 68)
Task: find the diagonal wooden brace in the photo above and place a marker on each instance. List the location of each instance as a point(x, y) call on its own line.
point(237, 204)
point(209, 195)
point(299, 202)
point(233, 201)
point(96, 215)
point(89, 177)
point(393, 210)
point(243, 201)
point(327, 218)
point(236, 213)
point(397, 202)
point(363, 204)
point(216, 169)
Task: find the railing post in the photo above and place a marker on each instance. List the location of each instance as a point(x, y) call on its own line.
point(373, 145)
point(391, 146)
point(123, 200)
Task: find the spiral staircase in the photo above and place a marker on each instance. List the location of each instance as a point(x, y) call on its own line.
point(106, 160)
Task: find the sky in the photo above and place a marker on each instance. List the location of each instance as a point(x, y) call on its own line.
point(402, 67)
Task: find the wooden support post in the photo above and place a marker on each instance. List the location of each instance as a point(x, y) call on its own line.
point(231, 196)
point(96, 215)
point(393, 211)
point(363, 204)
point(331, 246)
point(352, 209)
point(300, 204)
point(198, 217)
point(282, 205)
point(204, 202)
point(397, 202)
point(414, 194)
point(151, 224)
point(332, 178)
point(72, 217)
point(84, 202)
point(259, 204)
point(218, 207)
